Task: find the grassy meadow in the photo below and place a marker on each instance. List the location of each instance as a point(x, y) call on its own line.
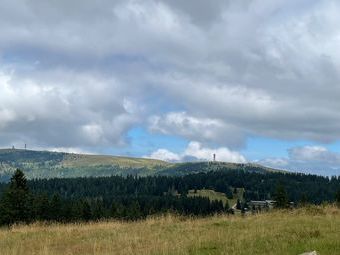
point(214, 195)
point(277, 232)
point(211, 194)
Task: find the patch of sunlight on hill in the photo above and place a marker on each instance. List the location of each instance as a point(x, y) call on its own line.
point(79, 160)
point(213, 195)
point(46, 164)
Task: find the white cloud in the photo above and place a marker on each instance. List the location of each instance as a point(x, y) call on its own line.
point(313, 153)
point(67, 150)
point(94, 132)
point(78, 73)
point(310, 159)
point(74, 110)
point(194, 128)
point(195, 152)
point(164, 154)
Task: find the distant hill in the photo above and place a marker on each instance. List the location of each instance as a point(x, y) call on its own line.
point(46, 164)
point(199, 167)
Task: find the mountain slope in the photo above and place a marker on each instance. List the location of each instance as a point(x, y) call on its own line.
point(46, 164)
point(199, 167)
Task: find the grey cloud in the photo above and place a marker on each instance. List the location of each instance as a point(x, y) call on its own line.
point(71, 110)
point(314, 154)
point(279, 80)
point(200, 12)
point(264, 68)
point(195, 128)
point(309, 159)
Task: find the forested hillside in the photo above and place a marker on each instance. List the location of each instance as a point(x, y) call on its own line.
point(45, 164)
point(134, 197)
point(258, 186)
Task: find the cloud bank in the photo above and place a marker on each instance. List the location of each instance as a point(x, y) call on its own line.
point(196, 152)
point(309, 159)
point(81, 74)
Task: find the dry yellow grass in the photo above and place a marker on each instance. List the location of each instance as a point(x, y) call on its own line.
point(279, 232)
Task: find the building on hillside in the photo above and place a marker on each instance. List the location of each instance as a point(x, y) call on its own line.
point(261, 205)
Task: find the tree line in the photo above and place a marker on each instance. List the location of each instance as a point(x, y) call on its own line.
point(22, 201)
point(258, 186)
point(133, 197)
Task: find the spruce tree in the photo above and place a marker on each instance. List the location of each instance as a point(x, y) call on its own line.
point(226, 206)
point(117, 210)
point(16, 201)
point(238, 205)
point(86, 213)
point(134, 211)
point(303, 199)
point(337, 198)
point(98, 210)
point(41, 207)
point(56, 208)
point(281, 197)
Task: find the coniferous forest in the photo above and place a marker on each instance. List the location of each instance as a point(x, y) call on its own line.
point(132, 197)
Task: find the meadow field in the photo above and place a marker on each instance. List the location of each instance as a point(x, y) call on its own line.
point(276, 232)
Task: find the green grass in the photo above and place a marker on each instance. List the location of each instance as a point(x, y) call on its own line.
point(238, 195)
point(213, 195)
point(277, 232)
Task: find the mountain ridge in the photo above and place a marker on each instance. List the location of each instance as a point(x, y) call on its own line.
point(49, 164)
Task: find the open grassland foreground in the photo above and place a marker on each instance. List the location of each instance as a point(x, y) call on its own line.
point(277, 232)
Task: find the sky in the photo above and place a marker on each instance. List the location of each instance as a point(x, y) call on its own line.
point(249, 80)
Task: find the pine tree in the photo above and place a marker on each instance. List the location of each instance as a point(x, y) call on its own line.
point(41, 207)
point(337, 198)
point(76, 211)
point(86, 212)
point(281, 197)
point(238, 205)
point(226, 207)
point(16, 202)
point(303, 199)
point(117, 210)
point(134, 211)
point(56, 208)
point(98, 210)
